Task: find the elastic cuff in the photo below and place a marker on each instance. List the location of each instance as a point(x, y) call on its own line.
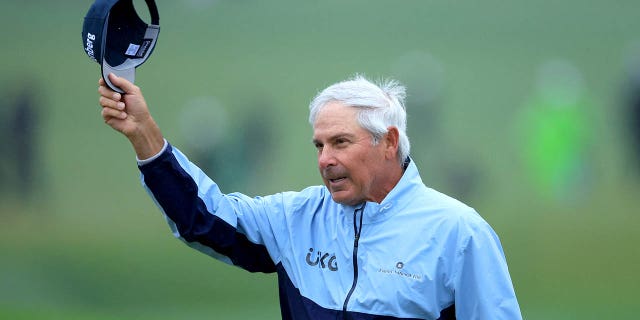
point(145, 161)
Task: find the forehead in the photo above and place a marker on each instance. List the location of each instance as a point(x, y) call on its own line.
point(335, 118)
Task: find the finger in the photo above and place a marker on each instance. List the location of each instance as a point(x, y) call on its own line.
point(122, 83)
point(111, 121)
point(111, 104)
point(109, 94)
point(109, 113)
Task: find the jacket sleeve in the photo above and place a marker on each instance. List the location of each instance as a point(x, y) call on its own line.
point(483, 287)
point(234, 228)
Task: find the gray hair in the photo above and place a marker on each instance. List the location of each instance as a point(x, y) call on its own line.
point(380, 106)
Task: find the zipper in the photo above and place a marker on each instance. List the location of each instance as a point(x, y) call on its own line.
point(357, 227)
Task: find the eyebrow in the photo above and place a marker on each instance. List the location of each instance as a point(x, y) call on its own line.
point(335, 137)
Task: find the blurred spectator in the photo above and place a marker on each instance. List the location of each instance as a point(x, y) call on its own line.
point(235, 158)
point(634, 117)
point(20, 125)
point(632, 105)
point(424, 74)
point(555, 133)
point(454, 171)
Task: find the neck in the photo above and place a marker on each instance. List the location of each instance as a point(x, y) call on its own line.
point(391, 179)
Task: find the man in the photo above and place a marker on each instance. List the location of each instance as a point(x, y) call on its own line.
point(372, 243)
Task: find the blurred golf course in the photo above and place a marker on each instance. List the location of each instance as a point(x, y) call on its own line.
point(230, 82)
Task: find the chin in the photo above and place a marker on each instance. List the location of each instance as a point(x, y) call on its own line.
point(339, 199)
point(344, 200)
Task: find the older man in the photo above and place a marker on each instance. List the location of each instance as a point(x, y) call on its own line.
point(372, 243)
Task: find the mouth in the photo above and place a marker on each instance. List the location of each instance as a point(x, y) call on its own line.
point(336, 183)
point(334, 178)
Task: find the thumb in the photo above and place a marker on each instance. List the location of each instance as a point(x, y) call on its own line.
point(124, 84)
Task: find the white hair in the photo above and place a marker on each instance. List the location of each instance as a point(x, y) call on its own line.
point(380, 106)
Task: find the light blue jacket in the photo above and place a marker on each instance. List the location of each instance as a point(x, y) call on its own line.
point(418, 254)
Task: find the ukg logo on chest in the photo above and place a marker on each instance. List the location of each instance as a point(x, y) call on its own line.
point(323, 260)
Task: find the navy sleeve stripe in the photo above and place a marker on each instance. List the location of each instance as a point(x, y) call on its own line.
point(177, 193)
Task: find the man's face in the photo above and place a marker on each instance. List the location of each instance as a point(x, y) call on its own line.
point(352, 168)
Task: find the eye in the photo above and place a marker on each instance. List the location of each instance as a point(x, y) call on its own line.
point(341, 142)
point(318, 145)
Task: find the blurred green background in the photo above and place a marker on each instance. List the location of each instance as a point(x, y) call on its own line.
point(229, 83)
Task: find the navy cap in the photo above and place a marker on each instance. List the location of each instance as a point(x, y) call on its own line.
point(114, 36)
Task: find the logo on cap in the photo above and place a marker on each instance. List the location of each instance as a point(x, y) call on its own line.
point(89, 46)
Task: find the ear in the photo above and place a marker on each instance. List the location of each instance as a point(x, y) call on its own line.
point(392, 141)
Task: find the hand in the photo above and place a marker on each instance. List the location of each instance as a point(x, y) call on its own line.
point(123, 113)
point(130, 115)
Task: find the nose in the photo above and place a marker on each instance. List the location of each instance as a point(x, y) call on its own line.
point(325, 158)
